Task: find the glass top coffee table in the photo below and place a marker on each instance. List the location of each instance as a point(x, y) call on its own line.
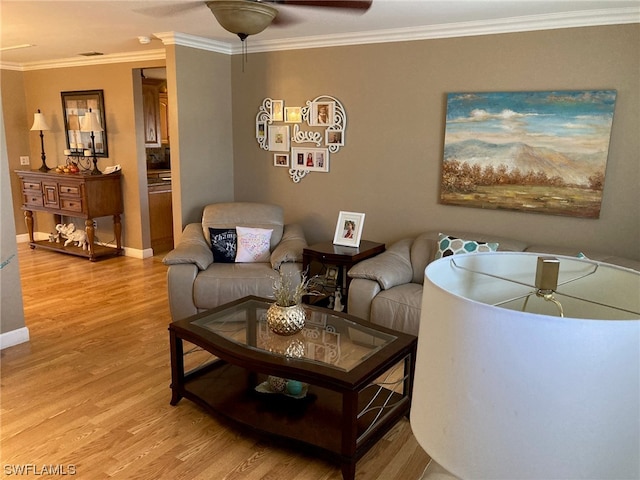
point(336, 387)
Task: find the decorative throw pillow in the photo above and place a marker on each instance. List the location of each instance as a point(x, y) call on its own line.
point(449, 245)
point(253, 244)
point(223, 244)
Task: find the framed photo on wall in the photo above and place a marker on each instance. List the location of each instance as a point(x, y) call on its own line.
point(334, 137)
point(311, 159)
point(278, 138)
point(322, 114)
point(293, 114)
point(280, 160)
point(261, 130)
point(75, 105)
point(349, 229)
point(277, 110)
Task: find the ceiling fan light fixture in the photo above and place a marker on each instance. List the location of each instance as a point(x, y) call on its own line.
point(242, 17)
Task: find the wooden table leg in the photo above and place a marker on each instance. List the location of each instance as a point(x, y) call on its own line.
point(91, 235)
point(349, 471)
point(349, 434)
point(117, 231)
point(28, 220)
point(177, 367)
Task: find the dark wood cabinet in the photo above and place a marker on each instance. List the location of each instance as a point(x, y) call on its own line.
point(160, 210)
point(151, 106)
point(73, 195)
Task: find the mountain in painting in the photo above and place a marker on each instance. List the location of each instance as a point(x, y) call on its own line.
point(524, 158)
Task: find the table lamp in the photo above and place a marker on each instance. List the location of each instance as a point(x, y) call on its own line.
point(91, 123)
point(39, 123)
point(528, 367)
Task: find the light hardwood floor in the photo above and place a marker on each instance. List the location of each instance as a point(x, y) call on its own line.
point(90, 391)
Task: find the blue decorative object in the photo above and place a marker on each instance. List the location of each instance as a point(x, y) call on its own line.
point(294, 387)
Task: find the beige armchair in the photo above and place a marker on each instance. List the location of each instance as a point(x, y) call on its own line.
point(196, 282)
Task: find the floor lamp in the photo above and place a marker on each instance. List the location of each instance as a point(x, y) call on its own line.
point(528, 367)
point(40, 124)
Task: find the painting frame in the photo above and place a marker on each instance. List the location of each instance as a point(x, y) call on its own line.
point(529, 151)
point(278, 138)
point(313, 159)
point(349, 229)
point(75, 104)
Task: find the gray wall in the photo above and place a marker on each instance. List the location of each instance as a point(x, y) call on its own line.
point(11, 308)
point(395, 98)
point(201, 136)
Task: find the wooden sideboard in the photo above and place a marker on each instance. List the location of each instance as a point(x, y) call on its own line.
point(73, 195)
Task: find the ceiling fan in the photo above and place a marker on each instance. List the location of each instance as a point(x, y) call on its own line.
point(249, 17)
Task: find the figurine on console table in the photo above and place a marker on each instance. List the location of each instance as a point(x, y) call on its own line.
point(72, 235)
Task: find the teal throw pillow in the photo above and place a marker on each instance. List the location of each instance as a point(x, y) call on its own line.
point(449, 245)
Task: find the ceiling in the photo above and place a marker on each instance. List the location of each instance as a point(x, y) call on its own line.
point(60, 30)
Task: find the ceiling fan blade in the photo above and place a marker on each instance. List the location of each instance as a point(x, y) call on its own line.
point(361, 5)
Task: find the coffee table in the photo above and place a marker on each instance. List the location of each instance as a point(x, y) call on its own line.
point(356, 377)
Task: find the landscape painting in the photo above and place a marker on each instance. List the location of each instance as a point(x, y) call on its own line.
point(543, 152)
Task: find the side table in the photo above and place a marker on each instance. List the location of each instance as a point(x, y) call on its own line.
point(332, 262)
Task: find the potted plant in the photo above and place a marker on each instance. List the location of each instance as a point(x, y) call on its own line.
point(287, 315)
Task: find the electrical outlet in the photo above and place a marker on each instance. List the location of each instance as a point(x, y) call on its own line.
point(95, 224)
point(24, 160)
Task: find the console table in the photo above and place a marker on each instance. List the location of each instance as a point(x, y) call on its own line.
point(73, 195)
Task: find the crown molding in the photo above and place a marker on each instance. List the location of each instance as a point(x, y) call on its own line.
point(186, 40)
point(586, 18)
point(146, 55)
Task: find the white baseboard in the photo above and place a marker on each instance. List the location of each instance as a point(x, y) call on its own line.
point(14, 337)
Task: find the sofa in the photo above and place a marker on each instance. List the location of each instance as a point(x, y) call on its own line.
point(196, 282)
point(387, 289)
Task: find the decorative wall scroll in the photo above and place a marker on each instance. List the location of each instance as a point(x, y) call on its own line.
point(326, 120)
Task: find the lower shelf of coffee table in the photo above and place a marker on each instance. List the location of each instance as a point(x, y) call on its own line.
point(315, 420)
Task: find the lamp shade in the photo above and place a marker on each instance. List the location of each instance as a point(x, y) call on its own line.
point(242, 17)
point(90, 122)
point(502, 393)
point(39, 123)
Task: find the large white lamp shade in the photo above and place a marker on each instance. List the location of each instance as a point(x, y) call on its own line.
point(502, 393)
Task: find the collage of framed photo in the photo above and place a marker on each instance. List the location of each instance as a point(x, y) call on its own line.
point(278, 129)
point(349, 229)
point(311, 159)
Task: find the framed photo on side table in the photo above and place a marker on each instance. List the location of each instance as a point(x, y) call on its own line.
point(349, 229)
